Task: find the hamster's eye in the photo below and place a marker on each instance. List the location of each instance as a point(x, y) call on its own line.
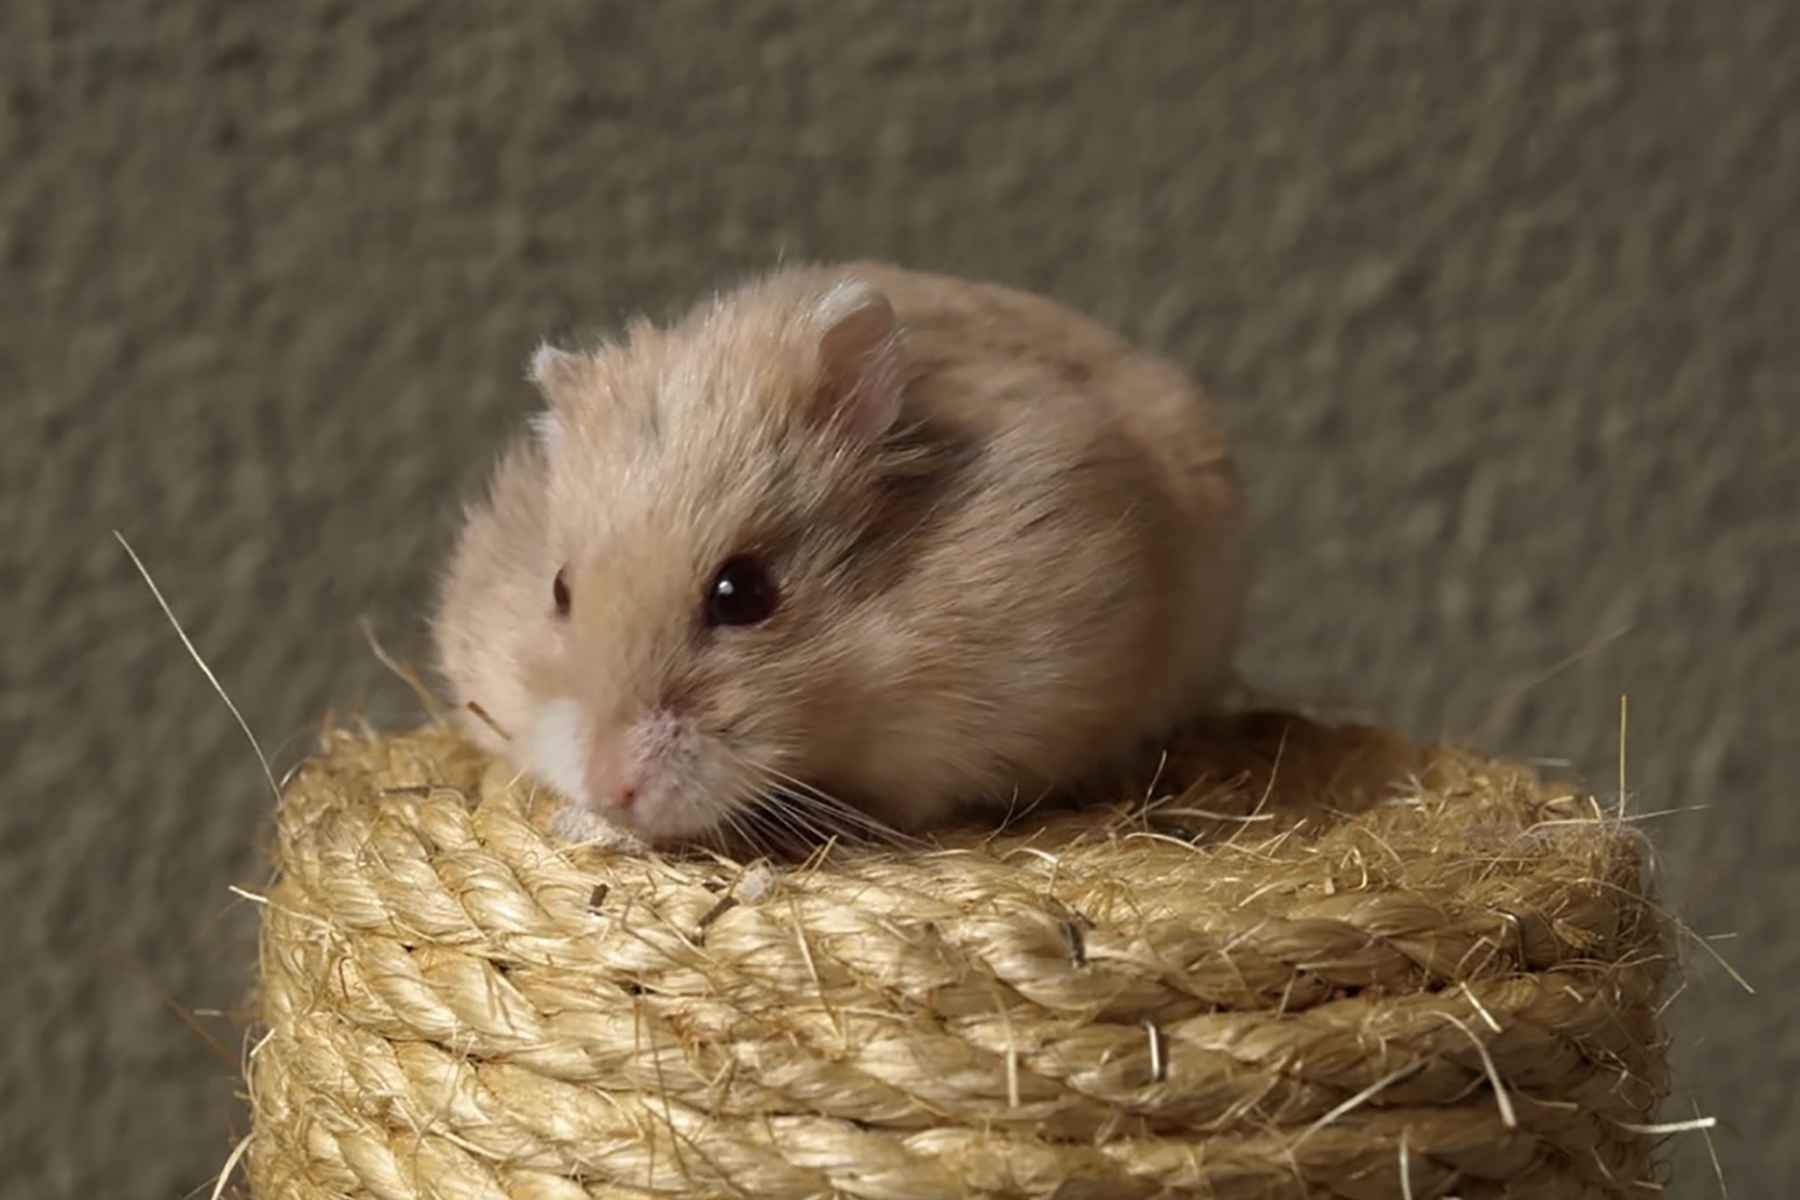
point(559, 592)
point(741, 593)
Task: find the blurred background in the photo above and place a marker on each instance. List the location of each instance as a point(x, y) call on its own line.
point(1500, 299)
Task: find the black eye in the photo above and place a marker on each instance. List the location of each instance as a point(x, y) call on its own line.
point(740, 594)
point(559, 591)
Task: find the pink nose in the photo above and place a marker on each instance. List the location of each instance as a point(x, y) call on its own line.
point(612, 775)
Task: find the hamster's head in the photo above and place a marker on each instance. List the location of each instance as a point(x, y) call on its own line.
point(664, 606)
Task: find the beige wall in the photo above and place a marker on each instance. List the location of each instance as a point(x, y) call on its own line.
point(1501, 297)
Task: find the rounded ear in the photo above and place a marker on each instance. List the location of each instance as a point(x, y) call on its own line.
point(859, 381)
point(559, 374)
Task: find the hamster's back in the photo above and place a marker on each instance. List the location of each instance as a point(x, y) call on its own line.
point(1092, 560)
point(998, 353)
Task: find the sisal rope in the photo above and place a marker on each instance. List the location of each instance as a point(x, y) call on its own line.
point(1308, 962)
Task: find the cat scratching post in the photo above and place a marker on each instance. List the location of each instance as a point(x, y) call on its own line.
point(1301, 962)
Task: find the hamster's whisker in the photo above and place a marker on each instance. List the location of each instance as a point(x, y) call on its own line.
point(761, 799)
point(783, 796)
point(820, 825)
point(744, 835)
point(771, 818)
point(730, 820)
point(841, 821)
point(832, 819)
point(793, 810)
point(782, 808)
point(845, 816)
point(838, 823)
point(800, 789)
point(765, 834)
point(775, 838)
point(736, 810)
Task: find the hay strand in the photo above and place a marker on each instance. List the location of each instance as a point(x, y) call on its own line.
point(194, 653)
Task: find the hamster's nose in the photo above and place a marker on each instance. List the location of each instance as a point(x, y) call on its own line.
point(612, 776)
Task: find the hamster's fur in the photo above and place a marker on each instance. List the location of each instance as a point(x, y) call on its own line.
point(1006, 548)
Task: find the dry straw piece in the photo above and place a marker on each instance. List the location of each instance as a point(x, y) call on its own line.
point(1302, 960)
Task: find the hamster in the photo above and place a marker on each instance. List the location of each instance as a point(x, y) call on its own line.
point(876, 543)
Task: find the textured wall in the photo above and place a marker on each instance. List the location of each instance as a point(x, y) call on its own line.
point(1500, 297)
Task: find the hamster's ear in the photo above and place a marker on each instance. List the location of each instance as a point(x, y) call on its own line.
point(559, 374)
point(859, 382)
